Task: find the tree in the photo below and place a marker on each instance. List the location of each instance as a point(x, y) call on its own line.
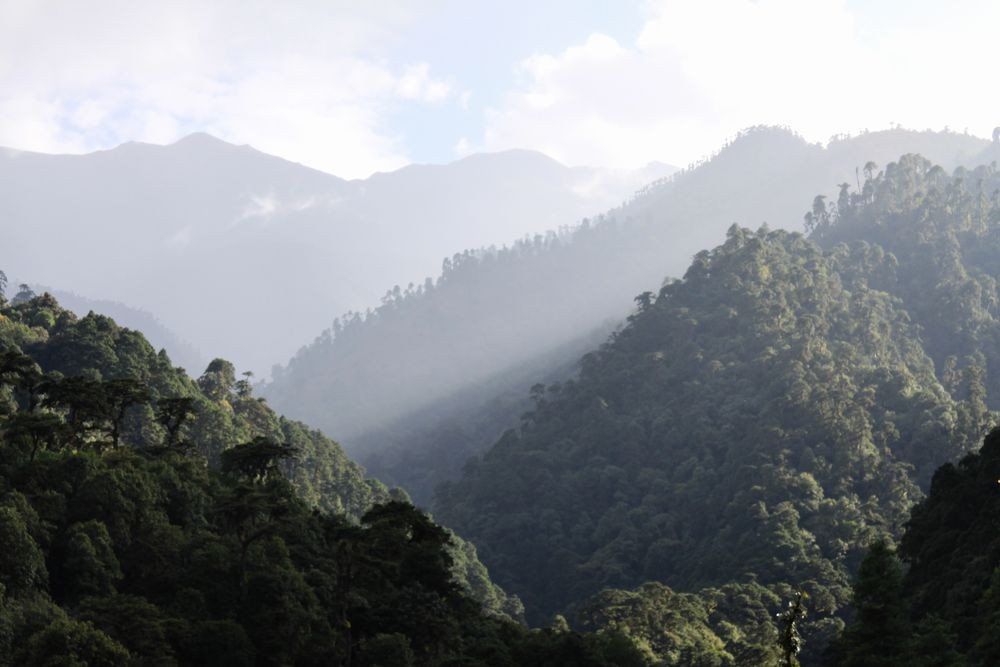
point(22, 562)
point(68, 642)
point(89, 566)
point(879, 633)
point(933, 645)
point(870, 169)
point(171, 414)
point(3, 287)
point(119, 395)
point(256, 460)
point(33, 429)
point(218, 379)
point(789, 639)
point(85, 404)
point(818, 219)
point(19, 371)
point(23, 295)
point(244, 387)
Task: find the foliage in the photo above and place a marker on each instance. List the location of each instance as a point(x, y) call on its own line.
point(943, 611)
point(142, 554)
point(771, 415)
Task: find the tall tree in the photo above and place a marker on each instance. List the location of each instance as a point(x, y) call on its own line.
point(879, 633)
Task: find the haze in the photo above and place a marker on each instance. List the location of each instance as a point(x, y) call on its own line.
point(653, 333)
point(353, 88)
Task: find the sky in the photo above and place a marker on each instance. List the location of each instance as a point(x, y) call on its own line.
point(352, 88)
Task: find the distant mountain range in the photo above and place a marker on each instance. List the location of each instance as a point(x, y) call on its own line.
point(533, 307)
point(249, 255)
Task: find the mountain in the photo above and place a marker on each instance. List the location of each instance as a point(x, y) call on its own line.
point(933, 600)
point(535, 302)
point(210, 415)
point(767, 417)
point(159, 336)
point(147, 518)
point(225, 242)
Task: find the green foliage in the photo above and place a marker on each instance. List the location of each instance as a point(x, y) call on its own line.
point(89, 563)
point(142, 556)
point(123, 544)
point(670, 628)
point(22, 563)
point(770, 415)
point(746, 391)
point(89, 384)
point(943, 611)
point(880, 630)
point(71, 643)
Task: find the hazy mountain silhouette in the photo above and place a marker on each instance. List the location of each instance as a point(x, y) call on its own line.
point(251, 254)
point(493, 311)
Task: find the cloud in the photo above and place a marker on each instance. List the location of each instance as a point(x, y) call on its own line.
point(300, 80)
point(417, 84)
point(698, 72)
point(263, 208)
point(462, 148)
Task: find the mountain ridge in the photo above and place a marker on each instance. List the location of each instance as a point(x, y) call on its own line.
point(184, 221)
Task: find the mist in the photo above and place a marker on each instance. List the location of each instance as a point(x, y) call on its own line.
point(640, 334)
point(248, 256)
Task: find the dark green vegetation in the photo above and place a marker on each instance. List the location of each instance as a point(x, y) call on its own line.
point(181, 353)
point(150, 519)
point(388, 381)
point(945, 610)
point(94, 349)
point(765, 419)
point(720, 484)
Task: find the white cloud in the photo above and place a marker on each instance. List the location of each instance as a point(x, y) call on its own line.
point(417, 84)
point(262, 208)
point(297, 79)
point(462, 147)
point(698, 72)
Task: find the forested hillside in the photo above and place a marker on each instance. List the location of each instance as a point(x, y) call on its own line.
point(202, 232)
point(160, 336)
point(100, 433)
point(223, 411)
point(936, 600)
point(765, 418)
point(540, 300)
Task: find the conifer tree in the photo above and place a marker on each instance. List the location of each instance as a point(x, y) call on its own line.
point(879, 633)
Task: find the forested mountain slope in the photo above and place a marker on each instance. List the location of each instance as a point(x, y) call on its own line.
point(935, 602)
point(160, 404)
point(208, 235)
point(120, 546)
point(768, 416)
point(181, 352)
point(493, 310)
point(224, 411)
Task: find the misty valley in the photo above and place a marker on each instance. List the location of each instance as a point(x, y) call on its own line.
point(578, 450)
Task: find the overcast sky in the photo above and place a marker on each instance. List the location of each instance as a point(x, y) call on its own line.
point(357, 87)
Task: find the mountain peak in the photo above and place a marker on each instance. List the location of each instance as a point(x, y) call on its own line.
point(203, 139)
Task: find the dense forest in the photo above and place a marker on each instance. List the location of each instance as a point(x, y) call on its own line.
point(747, 472)
point(764, 419)
point(148, 518)
point(934, 600)
point(387, 382)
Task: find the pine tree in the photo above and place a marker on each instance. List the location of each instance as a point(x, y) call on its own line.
point(879, 634)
